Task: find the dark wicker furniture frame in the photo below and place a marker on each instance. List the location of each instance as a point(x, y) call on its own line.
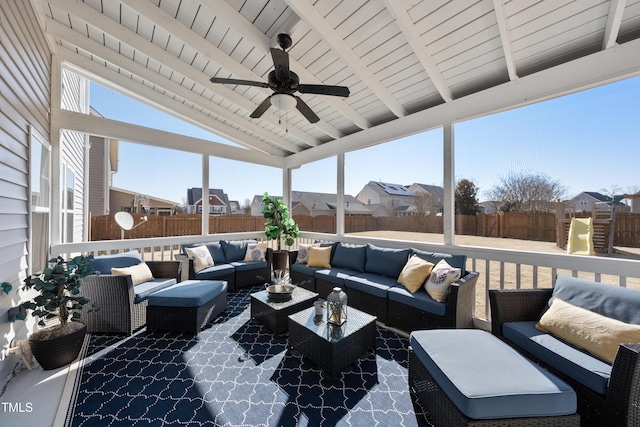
point(114, 295)
point(621, 404)
point(275, 315)
point(332, 357)
point(185, 319)
point(443, 412)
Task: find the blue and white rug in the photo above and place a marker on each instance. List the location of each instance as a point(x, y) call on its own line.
point(236, 373)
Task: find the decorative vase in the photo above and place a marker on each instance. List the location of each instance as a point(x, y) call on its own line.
point(60, 351)
point(337, 307)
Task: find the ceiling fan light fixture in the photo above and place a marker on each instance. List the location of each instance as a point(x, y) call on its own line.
point(283, 101)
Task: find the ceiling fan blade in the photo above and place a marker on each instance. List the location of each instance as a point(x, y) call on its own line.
point(237, 82)
point(281, 64)
point(306, 111)
point(258, 112)
point(324, 90)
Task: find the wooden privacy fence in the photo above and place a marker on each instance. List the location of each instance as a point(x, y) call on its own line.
point(513, 225)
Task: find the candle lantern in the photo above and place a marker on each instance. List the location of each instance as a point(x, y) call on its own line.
point(337, 307)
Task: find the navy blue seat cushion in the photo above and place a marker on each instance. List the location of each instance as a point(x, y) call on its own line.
point(302, 268)
point(351, 257)
point(419, 299)
point(334, 275)
point(215, 249)
point(249, 265)
point(487, 379)
point(235, 250)
point(372, 284)
point(456, 261)
point(190, 293)
point(610, 301)
point(105, 263)
point(143, 290)
point(574, 362)
point(385, 261)
point(215, 272)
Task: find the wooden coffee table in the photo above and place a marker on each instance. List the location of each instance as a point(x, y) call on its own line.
point(333, 348)
point(273, 314)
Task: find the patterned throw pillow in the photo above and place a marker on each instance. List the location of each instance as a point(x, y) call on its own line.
point(201, 257)
point(414, 273)
point(597, 334)
point(140, 273)
point(303, 253)
point(256, 252)
point(442, 275)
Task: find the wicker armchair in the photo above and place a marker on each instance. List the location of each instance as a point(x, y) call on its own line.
point(115, 296)
point(620, 406)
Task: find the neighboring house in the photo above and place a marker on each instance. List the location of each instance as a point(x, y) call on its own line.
point(103, 163)
point(592, 201)
point(429, 199)
point(129, 201)
point(219, 205)
point(316, 204)
point(234, 207)
point(395, 197)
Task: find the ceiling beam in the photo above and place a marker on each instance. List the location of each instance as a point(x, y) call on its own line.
point(139, 43)
point(155, 99)
point(505, 37)
point(193, 39)
point(614, 18)
point(403, 20)
point(227, 13)
point(108, 128)
point(603, 67)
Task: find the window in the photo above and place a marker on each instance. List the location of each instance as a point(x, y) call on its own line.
point(40, 178)
point(68, 181)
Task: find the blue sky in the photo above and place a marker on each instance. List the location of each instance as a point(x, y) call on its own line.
point(587, 141)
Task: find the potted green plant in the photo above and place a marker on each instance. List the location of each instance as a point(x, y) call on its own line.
point(279, 226)
point(58, 295)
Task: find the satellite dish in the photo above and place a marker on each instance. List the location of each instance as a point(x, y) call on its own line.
point(124, 220)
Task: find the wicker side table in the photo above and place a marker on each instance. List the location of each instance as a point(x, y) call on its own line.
point(273, 314)
point(332, 348)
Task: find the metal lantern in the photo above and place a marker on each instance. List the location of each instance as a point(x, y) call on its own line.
point(337, 307)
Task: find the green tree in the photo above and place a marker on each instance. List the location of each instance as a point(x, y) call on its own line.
point(466, 198)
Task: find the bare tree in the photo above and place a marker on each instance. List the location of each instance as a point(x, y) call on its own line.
point(422, 202)
point(528, 192)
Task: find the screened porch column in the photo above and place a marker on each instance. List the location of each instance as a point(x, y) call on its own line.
point(205, 194)
point(286, 188)
point(340, 195)
point(448, 214)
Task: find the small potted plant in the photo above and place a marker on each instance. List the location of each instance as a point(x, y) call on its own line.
point(279, 226)
point(58, 295)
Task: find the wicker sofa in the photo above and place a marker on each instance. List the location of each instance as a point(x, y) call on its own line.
point(229, 264)
point(369, 274)
point(608, 393)
point(122, 306)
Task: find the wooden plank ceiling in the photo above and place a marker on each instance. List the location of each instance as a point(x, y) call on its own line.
point(399, 58)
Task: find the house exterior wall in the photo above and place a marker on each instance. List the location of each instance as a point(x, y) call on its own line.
point(25, 99)
point(368, 196)
point(98, 187)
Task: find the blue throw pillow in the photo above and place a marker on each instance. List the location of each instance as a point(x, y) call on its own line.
point(456, 261)
point(235, 250)
point(385, 261)
point(105, 263)
point(351, 257)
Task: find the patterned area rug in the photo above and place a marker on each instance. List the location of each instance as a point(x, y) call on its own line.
point(236, 373)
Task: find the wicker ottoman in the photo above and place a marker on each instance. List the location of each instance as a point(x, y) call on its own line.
point(186, 306)
point(467, 377)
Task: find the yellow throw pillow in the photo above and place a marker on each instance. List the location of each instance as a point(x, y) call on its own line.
point(414, 273)
point(256, 252)
point(319, 257)
point(201, 257)
point(598, 334)
point(140, 273)
point(441, 277)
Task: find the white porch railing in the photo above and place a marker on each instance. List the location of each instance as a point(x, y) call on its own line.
point(498, 268)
